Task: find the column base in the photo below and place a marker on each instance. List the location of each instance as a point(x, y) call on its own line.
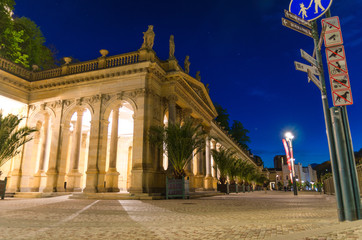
point(92, 181)
point(199, 182)
point(112, 180)
point(73, 184)
point(208, 182)
point(39, 181)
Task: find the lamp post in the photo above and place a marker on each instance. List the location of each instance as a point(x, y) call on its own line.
point(289, 137)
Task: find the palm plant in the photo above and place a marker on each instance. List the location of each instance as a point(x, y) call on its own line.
point(234, 169)
point(179, 142)
point(223, 159)
point(12, 137)
point(247, 171)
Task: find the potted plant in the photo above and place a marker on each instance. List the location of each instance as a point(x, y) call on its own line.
point(223, 159)
point(178, 141)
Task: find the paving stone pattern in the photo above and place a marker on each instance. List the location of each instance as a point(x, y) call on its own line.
point(275, 215)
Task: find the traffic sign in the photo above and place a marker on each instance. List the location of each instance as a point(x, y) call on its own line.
point(316, 81)
point(342, 97)
point(333, 34)
point(309, 9)
point(308, 57)
point(297, 19)
point(337, 68)
point(339, 82)
point(296, 27)
point(335, 53)
point(304, 68)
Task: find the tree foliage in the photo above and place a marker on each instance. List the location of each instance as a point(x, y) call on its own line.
point(240, 134)
point(12, 137)
point(21, 40)
point(222, 117)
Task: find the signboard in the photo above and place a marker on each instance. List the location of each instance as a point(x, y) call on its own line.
point(316, 81)
point(335, 53)
point(333, 34)
point(308, 57)
point(304, 68)
point(296, 27)
point(339, 82)
point(338, 76)
point(342, 97)
point(297, 19)
point(309, 9)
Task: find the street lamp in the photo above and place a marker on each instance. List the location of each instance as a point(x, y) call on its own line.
point(289, 137)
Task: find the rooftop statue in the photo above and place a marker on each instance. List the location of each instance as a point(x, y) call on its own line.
point(148, 38)
point(187, 65)
point(172, 48)
point(198, 77)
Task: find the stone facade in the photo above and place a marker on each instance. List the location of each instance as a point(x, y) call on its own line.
point(80, 110)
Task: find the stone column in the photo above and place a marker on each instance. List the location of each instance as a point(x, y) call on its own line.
point(94, 182)
point(40, 176)
point(65, 137)
point(74, 175)
point(54, 152)
point(103, 141)
point(112, 174)
point(208, 183)
point(213, 146)
point(172, 108)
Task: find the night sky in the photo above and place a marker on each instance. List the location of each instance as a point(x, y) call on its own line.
point(240, 47)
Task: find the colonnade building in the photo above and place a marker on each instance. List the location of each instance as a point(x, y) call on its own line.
point(93, 119)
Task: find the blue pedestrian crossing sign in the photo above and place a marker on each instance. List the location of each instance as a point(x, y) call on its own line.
point(309, 9)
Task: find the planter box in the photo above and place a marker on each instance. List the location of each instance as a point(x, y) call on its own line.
point(3, 188)
point(224, 188)
point(176, 188)
point(233, 188)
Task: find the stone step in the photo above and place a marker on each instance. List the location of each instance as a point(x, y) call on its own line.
point(39, 194)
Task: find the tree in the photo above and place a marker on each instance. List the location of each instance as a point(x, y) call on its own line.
point(179, 142)
point(33, 43)
point(12, 137)
point(240, 134)
point(223, 159)
point(222, 117)
point(21, 40)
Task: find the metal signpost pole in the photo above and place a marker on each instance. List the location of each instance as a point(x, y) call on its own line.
point(328, 123)
point(350, 170)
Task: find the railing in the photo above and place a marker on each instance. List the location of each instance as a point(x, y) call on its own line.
point(15, 69)
point(107, 62)
point(123, 59)
point(51, 73)
point(328, 183)
point(83, 67)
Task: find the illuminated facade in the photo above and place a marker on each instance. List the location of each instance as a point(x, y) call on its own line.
point(93, 119)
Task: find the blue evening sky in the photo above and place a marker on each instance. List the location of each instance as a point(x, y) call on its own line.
point(240, 47)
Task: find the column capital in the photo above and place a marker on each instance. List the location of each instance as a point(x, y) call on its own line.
point(172, 98)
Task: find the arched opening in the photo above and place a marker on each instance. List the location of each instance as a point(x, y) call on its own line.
point(77, 155)
point(119, 148)
point(164, 155)
point(8, 106)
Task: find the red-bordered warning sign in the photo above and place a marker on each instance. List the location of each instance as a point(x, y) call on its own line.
point(335, 53)
point(337, 68)
point(339, 82)
point(333, 34)
point(342, 97)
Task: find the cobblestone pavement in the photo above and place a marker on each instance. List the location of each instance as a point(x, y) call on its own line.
point(275, 215)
